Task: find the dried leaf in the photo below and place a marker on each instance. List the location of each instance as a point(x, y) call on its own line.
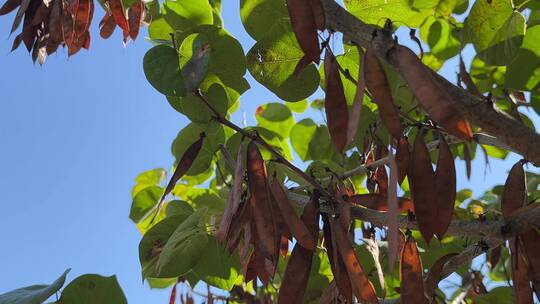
point(412, 285)
point(379, 202)
point(403, 155)
point(296, 226)
point(335, 104)
point(356, 108)
point(305, 27)
point(296, 274)
point(9, 6)
point(422, 180)
point(377, 84)
point(234, 198)
point(260, 203)
point(434, 275)
point(431, 96)
point(445, 187)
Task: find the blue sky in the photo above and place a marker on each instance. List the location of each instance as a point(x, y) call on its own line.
point(74, 134)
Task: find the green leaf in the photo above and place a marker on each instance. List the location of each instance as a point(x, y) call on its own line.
point(259, 17)
point(180, 17)
point(194, 56)
point(461, 7)
point(184, 247)
point(215, 135)
point(272, 61)
point(205, 198)
point(275, 117)
point(218, 267)
point(495, 152)
point(163, 72)
point(297, 107)
point(93, 288)
point(148, 178)
point(144, 201)
point(495, 30)
point(535, 101)
point(153, 242)
point(441, 36)
point(524, 72)
point(496, 295)
point(35, 294)
point(177, 207)
point(432, 61)
point(377, 11)
point(486, 76)
point(195, 109)
point(311, 141)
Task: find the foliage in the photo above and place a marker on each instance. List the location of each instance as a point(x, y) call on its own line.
point(217, 222)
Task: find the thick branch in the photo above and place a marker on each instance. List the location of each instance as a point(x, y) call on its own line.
point(480, 113)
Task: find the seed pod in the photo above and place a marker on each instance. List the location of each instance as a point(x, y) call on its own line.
point(304, 27)
point(412, 285)
point(445, 187)
point(403, 155)
point(335, 104)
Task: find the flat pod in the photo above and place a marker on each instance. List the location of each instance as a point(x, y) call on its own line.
point(377, 84)
point(296, 276)
point(379, 202)
point(119, 15)
point(335, 104)
point(433, 99)
point(445, 187)
point(260, 203)
point(531, 249)
point(363, 289)
point(515, 192)
point(296, 226)
point(434, 275)
point(520, 277)
point(107, 26)
point(135, 17)
point(341, 278)
point(9, 6)
point(83, 12)
point(422, 180)
point(412, 285)
point(403, 156)
point(304, 27)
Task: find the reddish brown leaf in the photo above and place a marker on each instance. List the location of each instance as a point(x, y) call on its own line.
point(356, 108)
point(304, 26)
point(422, 182)
point(377, 84)
point(335, 104)
point(379, 202)
point(55, 22)
point(107, 26)
point(260, 203)
point(412, 285)
point(257, 267)
point(445, 187)
point(119, 15)
point(9, 6)
point(296, 274)
point(515, 193)
point(184, 164)
point(336, 263)
point(239, 227)
point(431, 96)
point(362, 287)
point(296, 226)
point(135, 16)
point(83, 12)
point(172, 297)
point(434, 275)
point(234, 198)
point(403, 156)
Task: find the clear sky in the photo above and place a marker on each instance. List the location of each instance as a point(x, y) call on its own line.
point(73, 136)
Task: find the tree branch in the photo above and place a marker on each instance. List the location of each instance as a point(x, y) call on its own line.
point(480, 113)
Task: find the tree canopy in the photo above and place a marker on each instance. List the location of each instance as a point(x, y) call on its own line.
point(363, 207)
